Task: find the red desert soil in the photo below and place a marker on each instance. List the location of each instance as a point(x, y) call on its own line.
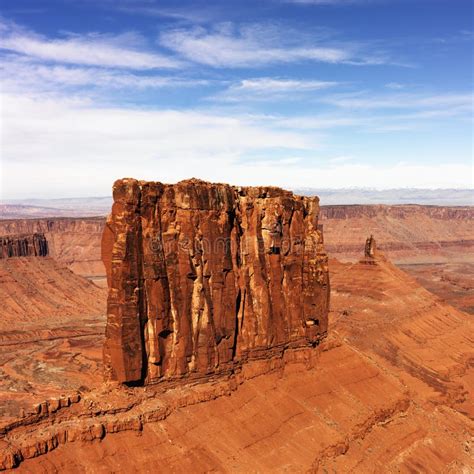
point(452, 282)
point(51, 331)
point(390, 390)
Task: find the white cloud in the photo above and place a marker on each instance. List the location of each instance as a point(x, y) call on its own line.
point(401, 101)
point(21, 74)
point(255, 45)
point(320, 122)
point(57, 130)
point(268, 88)
point(71, 147)
point(181, 14)
point(124, 51)
point(269, 84)
point(341, 159)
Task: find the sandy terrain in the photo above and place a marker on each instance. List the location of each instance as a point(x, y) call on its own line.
point(51, 331)
point(452, 282)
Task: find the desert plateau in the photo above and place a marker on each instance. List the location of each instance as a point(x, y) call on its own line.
point(213, 365)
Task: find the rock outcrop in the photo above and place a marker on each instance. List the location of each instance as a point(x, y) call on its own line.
point(371, 254)
point(370, 250)
point(203, 277)
point(72, 242)
point(34, 245)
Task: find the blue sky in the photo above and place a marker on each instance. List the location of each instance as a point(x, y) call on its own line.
point(313, 93)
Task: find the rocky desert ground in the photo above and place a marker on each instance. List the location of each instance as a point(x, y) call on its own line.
point(388, 389)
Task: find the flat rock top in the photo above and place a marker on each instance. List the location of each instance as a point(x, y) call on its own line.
point(128, 188)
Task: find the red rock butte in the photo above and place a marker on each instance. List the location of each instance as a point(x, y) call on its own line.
point(203, 277)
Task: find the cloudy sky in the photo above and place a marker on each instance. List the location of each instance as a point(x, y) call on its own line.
point(314, 93)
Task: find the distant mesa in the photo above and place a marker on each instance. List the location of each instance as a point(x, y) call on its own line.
point(204, 277)
point(72, 242)
point(33, 245)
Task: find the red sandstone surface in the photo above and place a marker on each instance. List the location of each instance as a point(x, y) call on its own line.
point(407, 234)
point(452, 282)
point(434, 244)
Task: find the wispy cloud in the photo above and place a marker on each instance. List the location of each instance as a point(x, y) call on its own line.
point(268, 84)
point(459, 37)
point(394, 85)
point(22, 74)
point(227, 45)
point(180, 14)
point(123, 50)
point(462, 101)
point(269, 88)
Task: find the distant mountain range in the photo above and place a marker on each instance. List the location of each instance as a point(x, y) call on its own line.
point(435, 197)
point(64, 207)
point(100, 206)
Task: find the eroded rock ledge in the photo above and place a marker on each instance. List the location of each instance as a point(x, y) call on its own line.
point(33, 245)
point(203, 277)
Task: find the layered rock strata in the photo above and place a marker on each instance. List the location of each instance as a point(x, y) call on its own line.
point(405, 233)
point(34, 245)
point(203, 277)
point(74, 242)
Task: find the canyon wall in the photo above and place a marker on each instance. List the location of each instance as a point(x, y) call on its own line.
point(34, 245)
point(71, 242)
point(405, 233)
point(203, 277)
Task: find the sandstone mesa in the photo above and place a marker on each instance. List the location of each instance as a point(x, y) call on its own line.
point(203, 277)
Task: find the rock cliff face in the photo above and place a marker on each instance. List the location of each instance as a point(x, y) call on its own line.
point(34, 245)
point(71, 242)
point(203, 277)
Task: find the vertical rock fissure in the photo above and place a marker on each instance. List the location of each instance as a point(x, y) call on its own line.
point(142, 293)
point(236, 328)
